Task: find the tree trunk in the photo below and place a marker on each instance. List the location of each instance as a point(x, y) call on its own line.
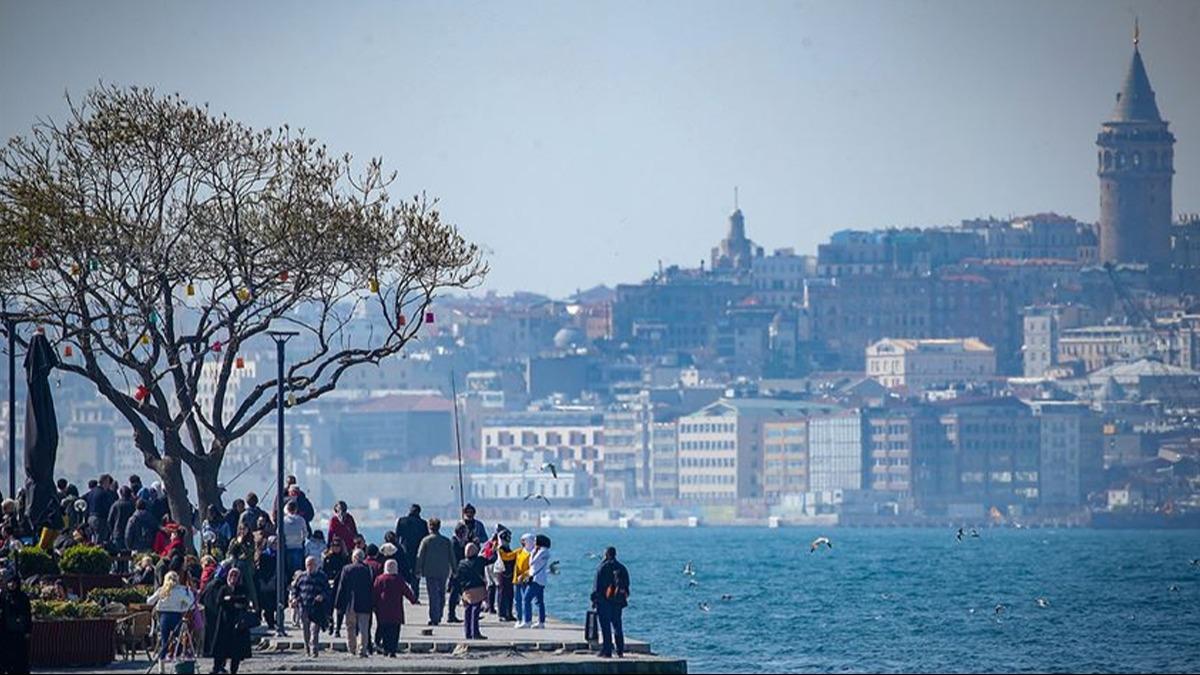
point(208, 494)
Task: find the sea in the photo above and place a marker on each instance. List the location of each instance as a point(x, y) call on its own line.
point(899, 600)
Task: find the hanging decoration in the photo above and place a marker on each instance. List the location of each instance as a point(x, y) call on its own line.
point(145, 340)
point(239, 362)
point(402, 320)
point(154, 317)
point(34, 264)
point(191, 289)
point(75, 269)
point(216, 347)
point(68, 351)
point(283, 276)
point(93, 264)
point(374, 285)
point(429, 317)
point(141, 393)
point(291, 399)
point(243, 294)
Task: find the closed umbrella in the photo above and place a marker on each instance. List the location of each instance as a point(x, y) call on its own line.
point(41, 437)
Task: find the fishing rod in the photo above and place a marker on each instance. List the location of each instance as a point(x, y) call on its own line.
point(251, 465)
point(462, 500)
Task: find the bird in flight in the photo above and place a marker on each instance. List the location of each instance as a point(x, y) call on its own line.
point(1042, 602)
point(692, 583)
point(549, 466)
point(959, 535)
point(689, 570)
point(554, 567)
point(818, 543)
point(974, 533)
point(1195, 562)
point(704, 607)
point(1000, 609)
point(538, 496)
point(1173, 588)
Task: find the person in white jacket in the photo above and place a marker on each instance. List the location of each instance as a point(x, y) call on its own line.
point(539, 574)
point(172, 600)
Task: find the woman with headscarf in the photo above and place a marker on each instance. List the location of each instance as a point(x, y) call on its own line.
point(264, 577)
point(172, 600)
point(472, 586)
point(235, 618)
point(389, 593)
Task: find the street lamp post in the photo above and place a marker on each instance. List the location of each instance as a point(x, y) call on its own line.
point(280, 337)
point(10, 329)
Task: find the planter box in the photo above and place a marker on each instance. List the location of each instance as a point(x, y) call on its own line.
point(73, 642)
point(82, 584)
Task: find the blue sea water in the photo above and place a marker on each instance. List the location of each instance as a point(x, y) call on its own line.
point(901, 600)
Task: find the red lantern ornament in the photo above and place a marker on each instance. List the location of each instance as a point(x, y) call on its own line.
point(283, 276)
point(428, 317)
point(239, 362)
point(216, 347)
point(68, 351)
point(141, 393)
point(402, 320)
point(34, 263)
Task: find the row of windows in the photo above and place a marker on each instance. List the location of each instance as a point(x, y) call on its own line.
point(707, 479)
point(552, 438)
point(707, 428)
point(708, 445)
point(708, 462)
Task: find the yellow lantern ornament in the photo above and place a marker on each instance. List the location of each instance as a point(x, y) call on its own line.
point(191, 290)
point(374, 285)
point(145, 338)
point(243, 294)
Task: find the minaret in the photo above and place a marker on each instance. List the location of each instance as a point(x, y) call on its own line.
point(1135, 165)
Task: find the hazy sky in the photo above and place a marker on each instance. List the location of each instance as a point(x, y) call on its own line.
point(582, 142)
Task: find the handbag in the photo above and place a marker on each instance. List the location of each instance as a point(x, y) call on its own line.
point(591, 626)
point(473, 596)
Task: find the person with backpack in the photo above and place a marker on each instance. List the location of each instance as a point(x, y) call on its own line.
point(611, 596)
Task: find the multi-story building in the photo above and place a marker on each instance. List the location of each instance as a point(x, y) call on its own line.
point(1042, 328)
point(1072, 452)
point(627, 449)
point(997, 449)
point(664, 460)
point(835, 451)
point(572, 439)
point(676, 310)
point(778, 279)
point(785, 458)
point(721, 447)
point(917, 365)
point(909, 458)
point(1095, 347)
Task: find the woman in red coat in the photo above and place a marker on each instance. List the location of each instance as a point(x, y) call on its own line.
point(390, 591)
point(342, 526)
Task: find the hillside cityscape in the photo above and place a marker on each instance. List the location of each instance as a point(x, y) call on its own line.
point(1018, 370)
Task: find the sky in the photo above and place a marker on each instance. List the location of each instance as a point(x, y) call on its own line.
point(580, 143)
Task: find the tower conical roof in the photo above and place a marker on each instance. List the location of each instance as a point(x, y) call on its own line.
point(1136, 103)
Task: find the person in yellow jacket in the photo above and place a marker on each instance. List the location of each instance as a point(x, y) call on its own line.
point(521, 575)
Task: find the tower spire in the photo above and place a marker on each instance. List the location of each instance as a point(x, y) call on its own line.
point(735, 197)
point(1137, 32)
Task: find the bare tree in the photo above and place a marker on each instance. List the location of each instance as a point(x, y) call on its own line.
point(152, 239)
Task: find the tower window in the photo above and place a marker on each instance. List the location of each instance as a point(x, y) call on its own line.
point(1120, 160)
point(1137, 159)
point(1107, 159)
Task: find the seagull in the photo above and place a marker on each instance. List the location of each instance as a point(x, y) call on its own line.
point(704, 607)
point(1195, 562)
point(692, 583)
point(549, 466)
point(1042, 602)
point(554, 567)
point(959, 535)
point(1000, 609)
point(974, 533)
point(818, 543)
point(1173, 588)
point(689, 570)
point(538, 496)
point(726, 598)
point(590, 555)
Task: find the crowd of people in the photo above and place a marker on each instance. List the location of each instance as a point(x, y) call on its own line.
point(334, 578)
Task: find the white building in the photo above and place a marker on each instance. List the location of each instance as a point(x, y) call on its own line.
point(523, 441)
point(835, 451)
point(916, 365)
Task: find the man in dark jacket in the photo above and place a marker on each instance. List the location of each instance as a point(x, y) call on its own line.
point(354, 599)
point(251, 516)
point(100, 498)
point(16, 625)
point(611, 595)
point(118, 517)
point(435, 562)
point(141, 528)
point(410, 530)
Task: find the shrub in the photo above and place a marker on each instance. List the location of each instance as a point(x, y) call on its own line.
point(34, 562)
point(132, 595)
point(86, 560)
point(56, 610)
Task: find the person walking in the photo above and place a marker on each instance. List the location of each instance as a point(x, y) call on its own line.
point(118, 517)
point(141, 528)
point(476, 531)
point(342, 526)
point(235, 618)
point(172, 600)
point(16, 624)
point(539, 575)
point(355, 600)
point(389, 592)
point(610, 595)
point(312, 591)
point(470, 578)
point(435, 562)
point(458, 544)
point(521, 578)
point(410, 530)
point(333, 561)
point(295, 532)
